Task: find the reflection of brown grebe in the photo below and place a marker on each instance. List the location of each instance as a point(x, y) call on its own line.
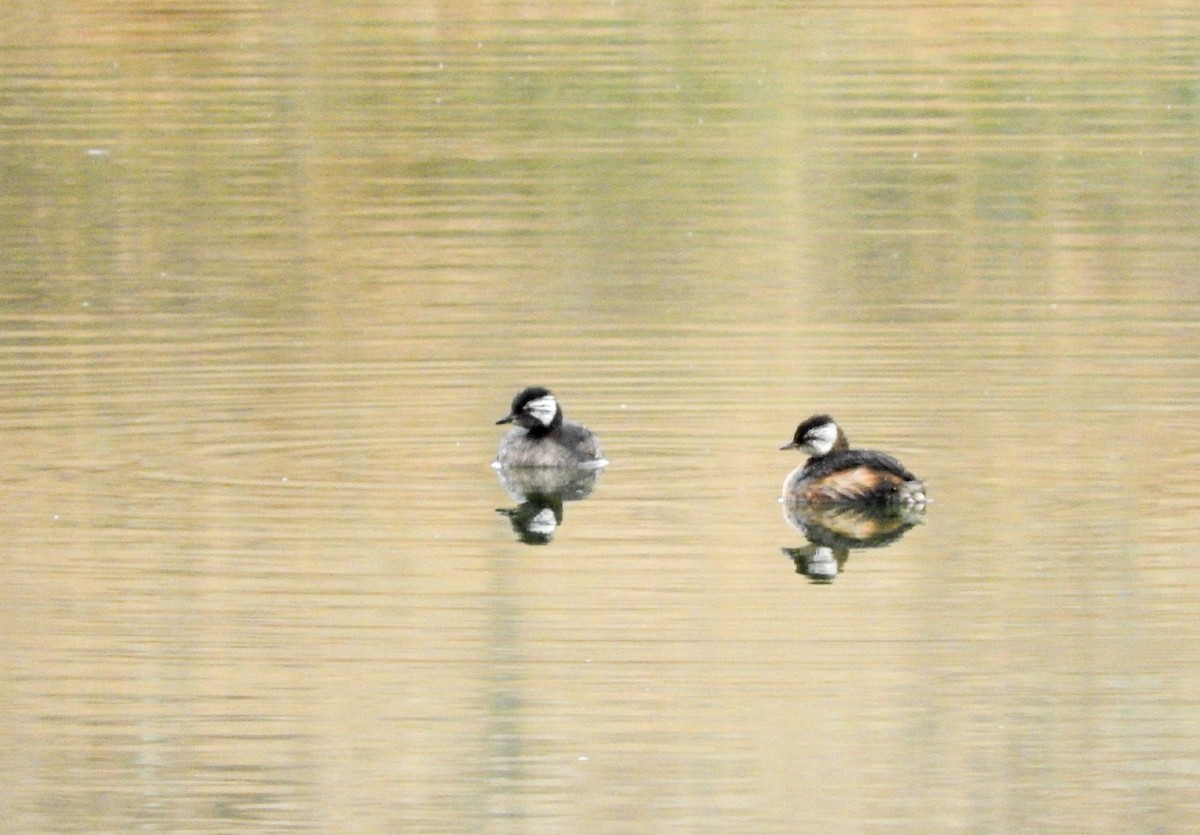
point(541, 492)
point(841, 526)
point(542, 438)
point(838, 475)
point(833, 531)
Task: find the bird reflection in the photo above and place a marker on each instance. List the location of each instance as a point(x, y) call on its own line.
point(541, 492)
point(833, 531)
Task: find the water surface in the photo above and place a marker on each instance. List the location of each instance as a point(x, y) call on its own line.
point(271, 275)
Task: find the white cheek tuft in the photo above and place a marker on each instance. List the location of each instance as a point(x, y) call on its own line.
point(820, 439)
point(544, 523)
point(543, 409)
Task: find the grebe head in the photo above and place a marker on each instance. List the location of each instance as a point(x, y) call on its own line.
point(535, 408)
point(818, 436)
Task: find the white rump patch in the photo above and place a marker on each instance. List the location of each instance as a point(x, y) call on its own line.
point(543, 409)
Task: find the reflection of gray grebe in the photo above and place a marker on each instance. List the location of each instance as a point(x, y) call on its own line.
point(836, 474)
point(542, 491)
point(542, 438)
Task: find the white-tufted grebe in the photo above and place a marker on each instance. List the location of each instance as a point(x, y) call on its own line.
point(836, 474)
point(542, 438)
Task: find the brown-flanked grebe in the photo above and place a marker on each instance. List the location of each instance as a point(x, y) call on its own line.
point(542, 438)
point(836, 474)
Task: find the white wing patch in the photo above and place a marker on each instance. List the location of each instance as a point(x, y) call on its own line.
point(543, 409)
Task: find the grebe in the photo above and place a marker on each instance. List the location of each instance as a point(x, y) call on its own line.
point(542, 438)
point(836, 474)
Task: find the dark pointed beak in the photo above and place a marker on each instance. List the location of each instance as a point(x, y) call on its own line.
point(508, 419)
point(792, 445)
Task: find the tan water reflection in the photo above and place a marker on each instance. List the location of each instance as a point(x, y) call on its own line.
point(269, 276)
point(833, 532)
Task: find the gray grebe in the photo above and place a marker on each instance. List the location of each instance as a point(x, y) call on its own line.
point(542, 438)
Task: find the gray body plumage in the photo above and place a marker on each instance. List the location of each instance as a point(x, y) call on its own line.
point(569, 445)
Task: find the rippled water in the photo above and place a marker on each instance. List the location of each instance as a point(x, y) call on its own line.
point(272, 274)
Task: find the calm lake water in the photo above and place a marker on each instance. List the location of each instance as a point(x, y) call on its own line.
point(272, 271)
